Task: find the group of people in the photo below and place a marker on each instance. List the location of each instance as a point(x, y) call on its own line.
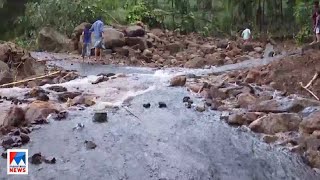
point(97, 29)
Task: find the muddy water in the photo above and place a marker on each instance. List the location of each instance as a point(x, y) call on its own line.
point(139, 143)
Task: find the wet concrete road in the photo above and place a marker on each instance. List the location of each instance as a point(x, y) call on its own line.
point(171, 143)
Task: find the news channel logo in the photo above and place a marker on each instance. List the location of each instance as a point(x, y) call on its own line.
point(17, 161)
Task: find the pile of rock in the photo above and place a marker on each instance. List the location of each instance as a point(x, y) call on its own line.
point(16, 63)
point(135, 45)
point(287, 120)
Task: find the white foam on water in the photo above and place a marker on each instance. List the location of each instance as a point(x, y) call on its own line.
point(13, 92)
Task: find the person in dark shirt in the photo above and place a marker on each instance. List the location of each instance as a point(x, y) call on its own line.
point(314, 18)
point(86, 49)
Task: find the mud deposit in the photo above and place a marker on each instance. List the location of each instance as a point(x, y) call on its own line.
point(150, 143)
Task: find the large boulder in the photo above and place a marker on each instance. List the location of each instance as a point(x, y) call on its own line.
point(178, 81)
point(113, 38)
point(38, 111)
point(139, 42)
point(174, 47)
point(135, 31)
point(275, 123)
point(3, 66)
point(51, 40)
point(197, 62)
point(246, 99)
point(6, 77)
point(14, 118)
point(310, 123)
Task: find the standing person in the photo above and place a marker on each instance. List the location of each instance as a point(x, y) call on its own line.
point(97, 29)
point(246, 35)
point(86, 49)
point(314, 19)
point(317, 26)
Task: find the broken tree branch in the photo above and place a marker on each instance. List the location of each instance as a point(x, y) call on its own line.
point(316, 75)
point(31, 79)
point(304, 87)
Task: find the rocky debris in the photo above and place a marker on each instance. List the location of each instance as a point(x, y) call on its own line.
point(38, 158)
point(313, 158)
point(270, 138)
point(178, 81)
point(60, 115)
point(197, 62)
point(82, 100)
point(135, 31)
point(201, 108)
point(4, 155)
point(51, 40)
point(186, 99)
point(35, 92)
point(246, 99)
point(236, 119)
point(311, 123)
point(58, 88)
point(113, 38)
point(5, 77)
point(63, 97)
point(100, 80)
point(274, 123)
point(173, 48)
point(138, 43)
point(15, 118)
point(90, 145)
point(38, 111)
point(42, 97)
point(162, 105)
point(100, 117)
point(147, 105)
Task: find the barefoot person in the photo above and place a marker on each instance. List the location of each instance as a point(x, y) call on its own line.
point(86, 49)
point(317, 26)
point(314, 19)
point(246, 35)
point(97, 29)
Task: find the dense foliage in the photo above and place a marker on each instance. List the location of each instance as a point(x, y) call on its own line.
point(209, 17)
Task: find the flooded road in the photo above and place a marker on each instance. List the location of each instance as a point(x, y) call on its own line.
point(138, 143)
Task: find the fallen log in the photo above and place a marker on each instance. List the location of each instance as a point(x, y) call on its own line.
point(31, 79)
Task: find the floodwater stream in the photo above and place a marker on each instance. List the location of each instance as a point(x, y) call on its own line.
point(136, 143)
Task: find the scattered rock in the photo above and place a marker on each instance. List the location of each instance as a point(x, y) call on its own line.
point(50, 160)
point(310, 123)
point(135, 31)
point(186, 99)
point(200, 108)
point(82, 100)
point(313, 158)
point(36, 159)
point(246, 99)
point(270, 138)
point(58, 88)
point(274, 123)
point(90, 145)
point(236, 119)
point(35, 92)
point(174, 47)
point(5, 77)
point(100, 117)
point(4, 155)
point(15, 117)
point(63, 97)
point(24, 138)
point(216, 93)
point(139, 41)
point(147, 105)
point(162, 105)
point(258, 49)
point(38, 111)
point(42, 97)
point(196, 62)
point(178, 81)
point(7, 142)
point(252, 76)
point(100, 79)
point(60, 115)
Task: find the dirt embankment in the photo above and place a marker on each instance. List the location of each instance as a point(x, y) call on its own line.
point(287, 74)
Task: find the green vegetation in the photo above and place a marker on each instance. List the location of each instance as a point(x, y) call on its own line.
point(209, 17)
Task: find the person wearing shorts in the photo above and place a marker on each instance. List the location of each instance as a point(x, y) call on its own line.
point(86, 49)
point(97, 29)
point(317, 26)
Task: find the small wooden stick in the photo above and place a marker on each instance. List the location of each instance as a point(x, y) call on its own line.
point(27, 80)
point(312, 80)
point(315, 96)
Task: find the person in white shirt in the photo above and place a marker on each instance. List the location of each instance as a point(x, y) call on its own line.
point(246, 35)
